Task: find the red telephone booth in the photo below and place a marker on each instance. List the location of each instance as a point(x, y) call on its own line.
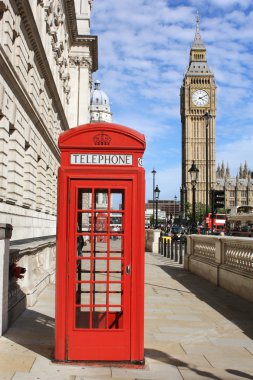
point(100, 245)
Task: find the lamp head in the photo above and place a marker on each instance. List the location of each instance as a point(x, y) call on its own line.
point(157, 192)
point(194, 172)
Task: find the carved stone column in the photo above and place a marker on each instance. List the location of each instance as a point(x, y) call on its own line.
point(80, 81)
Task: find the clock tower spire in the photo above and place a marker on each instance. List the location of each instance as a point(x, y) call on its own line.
point(197, 97)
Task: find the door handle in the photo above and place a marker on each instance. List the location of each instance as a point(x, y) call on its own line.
point(128, 269)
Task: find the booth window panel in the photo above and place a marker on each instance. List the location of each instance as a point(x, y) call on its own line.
point(99, 268)
point(100, 246)
point(115, 271)
point(83, 294)
point(115, 318)
point(101, 199)
point(83, 270)
point(83, 244)
point(84, 199)
point(99, 317)
point(101, 222)
point(115, 300)
point(99, 295)
point(116, 223)
point(115, 287)
point(116, 247)
point(84, 222)
point(117, 200)
point(83, 317)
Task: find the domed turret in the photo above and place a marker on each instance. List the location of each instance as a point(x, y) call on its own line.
point(99, 105)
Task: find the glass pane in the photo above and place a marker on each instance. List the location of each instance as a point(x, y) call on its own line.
point(84, 222)
point(99, 318)
point(116, 245)
point(116, 222)
point(83, 246)
point(83, 270)
point(100, 296)
point(115, 299)
point(117, 200)
point(101, 199)
point(84, 199)
point(101, 222)
point(83, 294)
point(83, 317)
point(100, 246)
point(100, 266)
point(115, 287)
point(115, 270)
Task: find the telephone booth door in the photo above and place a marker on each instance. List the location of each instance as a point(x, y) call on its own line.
point(99, 270)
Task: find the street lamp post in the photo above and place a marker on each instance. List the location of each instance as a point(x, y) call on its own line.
point(207, 118)
point(175, 200)
point(156, 195)
point(154, 173)
point(182, 196)
point(194, 172)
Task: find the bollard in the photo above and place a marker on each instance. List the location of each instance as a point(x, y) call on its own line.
point(176, 249)
point(182, 250)
point(172, 248)
point(164, 246)
point(161, 246)
point(181, 247)
point(168, 248)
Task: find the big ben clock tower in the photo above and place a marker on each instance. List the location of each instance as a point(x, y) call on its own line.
point(198, 96)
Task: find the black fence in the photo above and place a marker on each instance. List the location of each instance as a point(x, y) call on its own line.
point(173, 247)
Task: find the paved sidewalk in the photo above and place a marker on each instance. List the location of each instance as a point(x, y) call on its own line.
point(193, 331)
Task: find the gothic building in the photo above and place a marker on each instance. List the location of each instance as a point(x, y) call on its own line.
point(239, 189)
point(198, 98)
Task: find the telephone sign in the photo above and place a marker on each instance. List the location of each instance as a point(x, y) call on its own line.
point(100, 245)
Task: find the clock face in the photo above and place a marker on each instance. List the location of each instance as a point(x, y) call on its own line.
point(200, 98)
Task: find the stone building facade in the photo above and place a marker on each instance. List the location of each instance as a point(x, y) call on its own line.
point(47, 57)
point(45, 81)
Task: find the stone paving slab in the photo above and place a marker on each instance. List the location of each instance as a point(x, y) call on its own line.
point(193, 331)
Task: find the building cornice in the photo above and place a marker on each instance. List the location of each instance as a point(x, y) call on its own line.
point(26, 15)
point(78, 40)
point(69, 7)
point(92, 43)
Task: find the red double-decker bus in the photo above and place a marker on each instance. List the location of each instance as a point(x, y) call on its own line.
point(219, 221)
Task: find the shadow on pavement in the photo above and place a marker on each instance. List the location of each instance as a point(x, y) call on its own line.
point(234, 308)
point(163, 357)
point(34, 331)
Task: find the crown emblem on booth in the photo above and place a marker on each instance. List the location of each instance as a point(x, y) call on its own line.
point(102, 139)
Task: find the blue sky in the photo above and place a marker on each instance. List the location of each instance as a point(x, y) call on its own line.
point(144, 48)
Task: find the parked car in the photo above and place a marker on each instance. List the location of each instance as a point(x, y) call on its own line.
point(177, 230)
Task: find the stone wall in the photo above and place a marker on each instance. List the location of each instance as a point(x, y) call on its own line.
point(152, 240)
point(32, 267)
point(224, 261)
